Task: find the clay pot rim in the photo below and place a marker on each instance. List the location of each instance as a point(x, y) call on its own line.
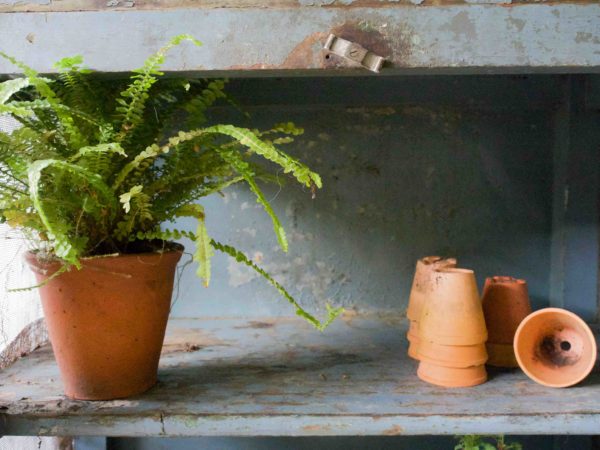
point(430, 260)
point(171, 248)
point(505, 279)
point(423, 375)
point(587, 331)
point(455, 270)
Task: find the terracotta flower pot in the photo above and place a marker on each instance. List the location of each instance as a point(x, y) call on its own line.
point(458, 356)
point(501, 355)
point(453, 314)
point(452, 377)
point(554, 347)
point(413, 339)
point(505, 304)
point(419, 292)
point(107, 321)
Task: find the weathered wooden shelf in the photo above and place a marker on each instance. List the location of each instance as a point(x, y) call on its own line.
point(286, 37)
point(232, 377)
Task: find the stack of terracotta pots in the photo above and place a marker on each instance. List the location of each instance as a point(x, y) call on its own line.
point(505, 305)
point(421, 289)
point(452, 331)
point(449, 327)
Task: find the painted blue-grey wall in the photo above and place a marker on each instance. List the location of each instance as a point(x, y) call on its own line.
point(463, 166)
point(411, 166)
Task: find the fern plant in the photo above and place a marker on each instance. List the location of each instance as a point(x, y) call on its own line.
point(476, 442)
point(94, 168)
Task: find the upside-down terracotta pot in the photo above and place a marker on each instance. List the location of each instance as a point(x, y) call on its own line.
point(419, 292)
point(413, 339)
point(457, 356)
point(453, 314)
point(505, 304)
point(451, 376)
point(555, 347)
point(501, 355)
point(107, 321)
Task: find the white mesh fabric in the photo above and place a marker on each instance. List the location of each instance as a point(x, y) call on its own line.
point(17, 309)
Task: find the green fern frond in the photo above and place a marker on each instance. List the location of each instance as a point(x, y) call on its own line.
point(62, 269)
point(43, 88)
point(66, 247)
point(142, 160)
point(238, 164)
point(69, 63)
point(18, 111)
point(41, 84)
point(138, 214)
point(243, 168)
point(162, 234)
point(131, 105)
point(110, 148)
point(332, 313)
point(10, 87)
point(247, 138)
point(33, 105)
point(204, 250)
point(22, 218)
point(198, 104)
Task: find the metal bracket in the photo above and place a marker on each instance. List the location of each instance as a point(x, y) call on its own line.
point(354, 52)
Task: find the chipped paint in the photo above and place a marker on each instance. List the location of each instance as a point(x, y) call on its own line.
point(393, 431)
point(278, 378)
point(461, 26)
point(412, 39)
point(98, 5)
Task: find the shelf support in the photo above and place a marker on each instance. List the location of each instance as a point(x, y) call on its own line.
point(575, 244)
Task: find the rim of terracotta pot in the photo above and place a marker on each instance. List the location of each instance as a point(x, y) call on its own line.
point(505, 279)
point(589, 335)
point(501, 355)
point(455, 270)
point(37, 264)
point(425, 268)
point(450, 377)
point(452, 356)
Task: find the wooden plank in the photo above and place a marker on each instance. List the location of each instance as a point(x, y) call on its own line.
point(232, 377)
point(574, 273)
point(443, 39)
point(117, 5)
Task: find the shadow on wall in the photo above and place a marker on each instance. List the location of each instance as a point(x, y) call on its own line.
point(401, 181)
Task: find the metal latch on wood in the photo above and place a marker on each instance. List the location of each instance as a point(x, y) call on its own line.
point(354, 52)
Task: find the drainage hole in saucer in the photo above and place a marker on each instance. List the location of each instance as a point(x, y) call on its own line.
point(565, 346)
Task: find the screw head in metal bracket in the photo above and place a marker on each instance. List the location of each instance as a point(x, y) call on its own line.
point(354, 52)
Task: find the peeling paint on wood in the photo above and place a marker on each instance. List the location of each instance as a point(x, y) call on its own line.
point(99, 5)
point(289, 379)
point(32, 337)
point(467, 38)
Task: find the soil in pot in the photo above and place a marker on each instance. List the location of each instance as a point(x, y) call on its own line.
point(107, 321)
